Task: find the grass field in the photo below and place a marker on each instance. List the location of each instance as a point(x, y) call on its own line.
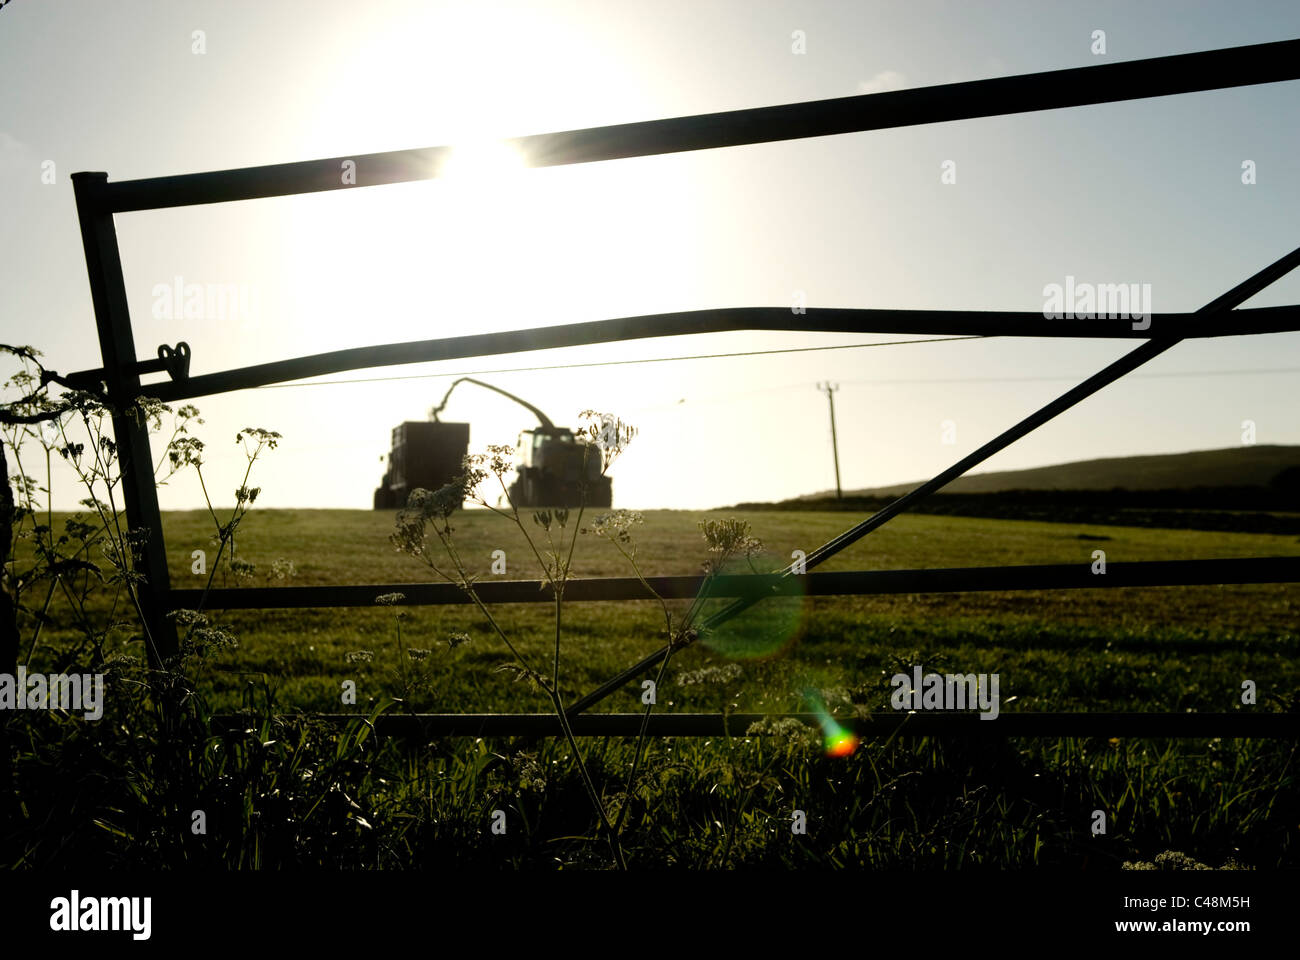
point(910, 804)
point(1142, 649)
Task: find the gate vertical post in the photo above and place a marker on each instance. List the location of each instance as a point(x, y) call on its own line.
point(117, 346)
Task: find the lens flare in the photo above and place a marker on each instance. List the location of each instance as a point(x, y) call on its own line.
point(762, 631)
point(838, 741)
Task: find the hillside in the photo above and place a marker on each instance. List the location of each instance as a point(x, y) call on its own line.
point(1246, 466)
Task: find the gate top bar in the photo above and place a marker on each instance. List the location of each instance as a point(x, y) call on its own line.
point(1051, 90)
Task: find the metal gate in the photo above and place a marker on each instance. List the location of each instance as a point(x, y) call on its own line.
point(98, 201)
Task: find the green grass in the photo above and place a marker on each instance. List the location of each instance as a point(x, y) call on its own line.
point(294, 795)
point(1139, 649)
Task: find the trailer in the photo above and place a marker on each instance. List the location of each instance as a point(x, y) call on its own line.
point(424, 454)
point(555, 467)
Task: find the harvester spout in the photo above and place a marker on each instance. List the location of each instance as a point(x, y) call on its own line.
point(542, 418)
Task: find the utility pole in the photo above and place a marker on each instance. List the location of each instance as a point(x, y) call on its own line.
point(830, 389)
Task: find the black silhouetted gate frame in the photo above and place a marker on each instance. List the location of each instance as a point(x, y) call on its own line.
point(99, 200)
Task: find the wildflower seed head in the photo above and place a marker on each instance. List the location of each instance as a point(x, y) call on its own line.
point(204, 639)
point(121, 664)
point(409, 537)
point(607, 433)
point(187, 618)
point(472, 480)
point(616, 526)
point(361, 656)
point(444, 501)
point(727, 540)
point(1172, 860)
point(421, 507)
point(789, 732)
point(269, 438)
point(282, 569)
point(388, 599)
point(717, 676)
point(501, 458)
point(454, 640)
point(532, 776)
point(148, 409)
point(87, 404)
point(497, 461)
point(182, 452)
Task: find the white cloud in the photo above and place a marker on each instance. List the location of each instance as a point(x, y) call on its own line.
point(884, 80)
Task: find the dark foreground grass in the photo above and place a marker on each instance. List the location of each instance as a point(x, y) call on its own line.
point(303, 796)
point(298, 793)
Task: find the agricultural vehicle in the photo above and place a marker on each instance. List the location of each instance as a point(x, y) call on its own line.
point(554, 465)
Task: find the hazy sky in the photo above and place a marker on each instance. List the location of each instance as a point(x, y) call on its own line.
point(1140, 192)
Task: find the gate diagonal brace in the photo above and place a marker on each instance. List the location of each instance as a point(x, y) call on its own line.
point(1125, 364)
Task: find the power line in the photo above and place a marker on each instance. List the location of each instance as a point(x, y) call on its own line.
point(697, 400)
point(618, 363)
point(731, 395)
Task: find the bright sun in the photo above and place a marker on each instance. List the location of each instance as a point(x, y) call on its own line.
point(482, 161)
point(482, 198)
point(491, 241)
